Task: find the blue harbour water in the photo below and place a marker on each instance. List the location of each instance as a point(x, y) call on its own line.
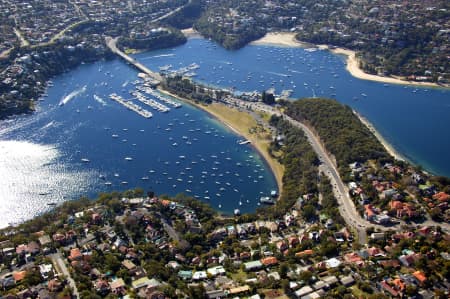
point(185, 150)
point(415, 120)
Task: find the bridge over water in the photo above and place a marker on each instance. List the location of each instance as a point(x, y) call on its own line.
point(112, 44)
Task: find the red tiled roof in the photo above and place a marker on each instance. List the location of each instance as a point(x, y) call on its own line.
point(75, 254)
point(400, 285)
point(353, 257)
point(420, 276)
point(269, 261)
point(165, 202)
point(18, 276)
point(304, 252)
point(441, 196)
point(388, 288)
point(369, 210)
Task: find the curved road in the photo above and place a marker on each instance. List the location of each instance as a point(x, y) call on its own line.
point(346, 206)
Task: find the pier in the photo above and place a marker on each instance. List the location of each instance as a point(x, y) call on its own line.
point(112, 44)
point(151, 92)
point(152, 103)
point(130, 105)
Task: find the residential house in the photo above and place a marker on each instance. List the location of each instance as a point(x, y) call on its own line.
point(145, 283)
point(353, 258)
point(269, 261)
point(253, 266)
point(19, 276)
point(386, 194)
point(102, 287)
point(409, 259)
point(238, 290)
point(347, 280)
point(420, 277)
point(46, 270)
point(185, 274)
point(369, 213)
point(118, 287)
point(54, 285)
point(402, 209)
point(75, 255)
point(215, 271)
point(282, 245)
point(199, 275)
point(304, 253)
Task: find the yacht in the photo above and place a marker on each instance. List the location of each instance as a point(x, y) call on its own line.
point(267, 200)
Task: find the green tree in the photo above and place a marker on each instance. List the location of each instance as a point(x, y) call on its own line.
point(308, 212)
point(32, 278)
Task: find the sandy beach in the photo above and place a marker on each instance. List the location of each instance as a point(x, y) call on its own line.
point(240, 122)
point(389, 148)
point(287, 39)
point(191, 33)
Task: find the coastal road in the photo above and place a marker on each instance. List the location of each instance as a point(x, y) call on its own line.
point(327, 167)
point(346, 205)
point(59, 264)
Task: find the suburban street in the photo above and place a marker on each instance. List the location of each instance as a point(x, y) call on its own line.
point(61, 266)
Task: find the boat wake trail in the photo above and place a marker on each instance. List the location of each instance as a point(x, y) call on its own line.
point(72, 95)
point(278, 74)
point(100, 100)
point(159, 56)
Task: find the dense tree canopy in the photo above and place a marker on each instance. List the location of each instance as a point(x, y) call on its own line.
point(343, 134)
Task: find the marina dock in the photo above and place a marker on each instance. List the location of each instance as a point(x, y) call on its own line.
point(130, 105)
point(152, 92)
point(152, 103)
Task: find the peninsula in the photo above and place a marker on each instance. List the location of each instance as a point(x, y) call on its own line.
point(351, 219)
